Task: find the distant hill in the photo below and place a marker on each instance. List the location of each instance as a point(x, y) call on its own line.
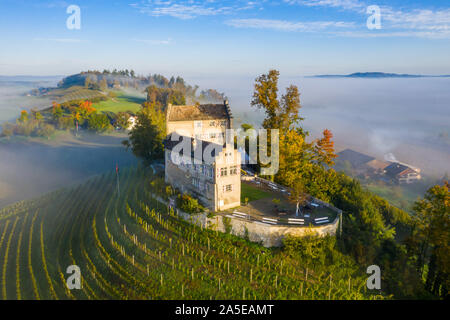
point(378, 75)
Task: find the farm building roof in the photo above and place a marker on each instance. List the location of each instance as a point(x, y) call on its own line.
point(355, 158)
point(395, 168)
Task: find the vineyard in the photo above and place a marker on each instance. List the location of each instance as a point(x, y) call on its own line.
point(74, 93)
point(130, 246)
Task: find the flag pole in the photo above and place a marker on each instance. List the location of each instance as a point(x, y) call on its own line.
point(118, 184)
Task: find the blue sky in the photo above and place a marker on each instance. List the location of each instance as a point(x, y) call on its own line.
point(201, 38)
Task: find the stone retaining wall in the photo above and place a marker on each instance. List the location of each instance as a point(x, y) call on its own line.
point(267, 235)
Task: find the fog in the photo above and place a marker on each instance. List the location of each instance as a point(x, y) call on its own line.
point(29, 169)
point(409, 118)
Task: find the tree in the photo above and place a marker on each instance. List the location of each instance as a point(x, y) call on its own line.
point(23, 116)
point(56, 111)
point(146, 138)
point(325, 149)
point(265, 96)
point(432, 238)
point(292, 157)
point(98, 122)
point(282, 115)
point(122, 119)
point(103, 84)
point(87, 82)
point(298, 195)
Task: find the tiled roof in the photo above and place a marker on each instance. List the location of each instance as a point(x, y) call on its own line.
point(395, 169)
point(199, 112)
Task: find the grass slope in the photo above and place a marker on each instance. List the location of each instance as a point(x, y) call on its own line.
point(123, 102)
point(131, 247)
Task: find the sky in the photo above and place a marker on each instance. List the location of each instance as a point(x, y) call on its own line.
point(225, 38)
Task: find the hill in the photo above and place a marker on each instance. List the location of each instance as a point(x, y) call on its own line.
point(378, 75)
point(132, 247)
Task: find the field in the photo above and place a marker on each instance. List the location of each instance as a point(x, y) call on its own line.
point(130, 246)
point(123, 102)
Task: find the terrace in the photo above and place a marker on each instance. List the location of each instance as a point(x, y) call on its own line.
point(269, 203)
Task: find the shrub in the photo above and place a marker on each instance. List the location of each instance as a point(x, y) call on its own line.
point(98, 122)
point(189, 204)
point(45, 130)
point(7, 130)
point(65, 123)
point(312, 248)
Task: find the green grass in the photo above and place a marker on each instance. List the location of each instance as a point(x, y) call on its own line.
point(252, 193)
point(402, 197)
point(123, 102)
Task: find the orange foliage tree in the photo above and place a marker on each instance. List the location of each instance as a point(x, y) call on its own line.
point(325, 148)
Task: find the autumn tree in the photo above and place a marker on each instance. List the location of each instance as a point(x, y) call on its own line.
point(324, 148)
point(23, 116)
point(56, 111)
point(280, 114)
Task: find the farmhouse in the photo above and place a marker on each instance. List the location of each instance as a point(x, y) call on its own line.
point(402, 173)
point(206, 168)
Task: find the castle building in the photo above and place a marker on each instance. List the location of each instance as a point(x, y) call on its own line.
point(206, 168)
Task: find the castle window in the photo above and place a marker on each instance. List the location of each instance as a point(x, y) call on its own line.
point(233, 170)
point(228, 188)
point(212, 135)
point(223, 172)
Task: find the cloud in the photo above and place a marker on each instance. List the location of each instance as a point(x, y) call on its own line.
point(395, 34)
point(155, 42)
point(418, 19)
point(404, 22)
point(182, 9)
point(423, 23)
point(283, 25)
point(342, 4)
point(62, 40)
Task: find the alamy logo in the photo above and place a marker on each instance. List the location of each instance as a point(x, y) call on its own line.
point(259, 149)
point(73, 22)
point(374, 20)
point(74, 280)
point(374, 281)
